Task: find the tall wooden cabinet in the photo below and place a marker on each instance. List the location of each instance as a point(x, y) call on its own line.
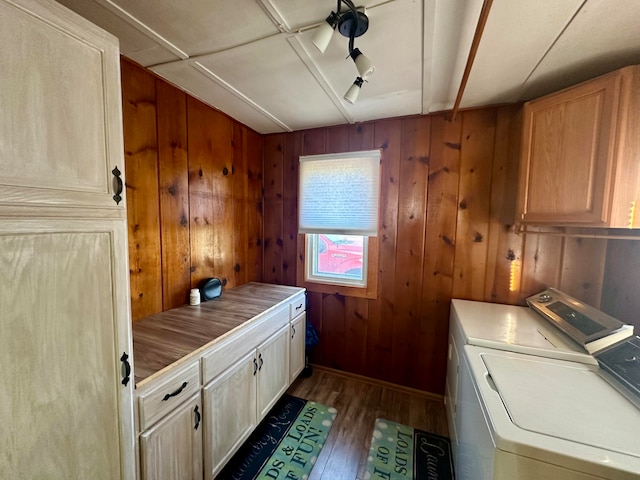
point(66, 401)
point(580, 148)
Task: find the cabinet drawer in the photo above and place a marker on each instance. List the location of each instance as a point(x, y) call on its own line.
point(297, 305)
point(170, 392)
point(228, 350)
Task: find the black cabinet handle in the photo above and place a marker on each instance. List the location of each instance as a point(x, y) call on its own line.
point(177, 392)
point(298, 307)
point(126, 369)
point(255, 366)
point(118, 188)
point(196, 414)
point(294, 331)
point(261, 362)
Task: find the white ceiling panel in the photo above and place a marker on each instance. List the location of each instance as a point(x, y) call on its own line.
point(603, 36)
point(530, 37)
point(202, 26)
point(278, 86)
point(197, 83)
point(134, 43)
point(253, 59)
point(454, 24)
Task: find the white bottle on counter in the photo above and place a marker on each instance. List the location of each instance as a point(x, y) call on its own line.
point(194, 297)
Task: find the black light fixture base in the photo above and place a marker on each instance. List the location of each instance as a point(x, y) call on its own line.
point(347, 22)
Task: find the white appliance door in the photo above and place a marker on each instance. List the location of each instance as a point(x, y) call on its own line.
point(556, 412)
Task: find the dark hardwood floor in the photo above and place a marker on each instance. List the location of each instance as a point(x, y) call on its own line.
point(359, 402)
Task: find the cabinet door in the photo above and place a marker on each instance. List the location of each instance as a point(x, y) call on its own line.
point(567, 154)
point(172, 449)
point(65, 409)
point(60, 121)
point(229, 412)
point(297, 361)
point(273, 370)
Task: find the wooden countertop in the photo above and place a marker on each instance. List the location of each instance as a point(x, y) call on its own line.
point(181, 333)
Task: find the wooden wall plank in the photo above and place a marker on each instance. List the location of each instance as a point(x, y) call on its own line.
point(173, 168)
point(210, 193)
point(387, 137)
point(442, 207)
point(541, 264)
point(273, 208)
point(141, 173)
point(220, 137)
point(254, 156)
point(241, 206)
point(292, 152)
point(504, 251)
point(474, 203)
point(410, 248)
point(361, 137)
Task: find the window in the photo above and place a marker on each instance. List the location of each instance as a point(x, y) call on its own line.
point(338, 217)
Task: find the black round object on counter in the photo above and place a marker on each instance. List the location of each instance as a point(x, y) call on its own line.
point(210, 288)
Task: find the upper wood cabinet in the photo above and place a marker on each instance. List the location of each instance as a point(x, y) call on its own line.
point(580, 160)
point(61, 121)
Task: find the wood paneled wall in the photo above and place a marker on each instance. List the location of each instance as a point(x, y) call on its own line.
point(198, 184)
point(447, 208)
point(194, 194)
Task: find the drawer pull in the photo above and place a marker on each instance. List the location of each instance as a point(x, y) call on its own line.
point(177, 392)
point(261, 362)
point(196, 414)
point(298, 307)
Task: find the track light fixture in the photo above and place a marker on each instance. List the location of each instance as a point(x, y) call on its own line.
point(354, 90)
point(351, 23)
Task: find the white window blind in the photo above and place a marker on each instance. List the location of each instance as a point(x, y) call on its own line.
point(339, 193)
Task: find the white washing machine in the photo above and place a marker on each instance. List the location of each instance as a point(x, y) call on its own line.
point(526, 417)
point(498, 433)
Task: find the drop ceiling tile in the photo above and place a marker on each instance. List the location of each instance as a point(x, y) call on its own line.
point(202, 87)
point(202, 26)
point(133, 43)
point(602, 37)
point(509, 51)
point(454, 26)
point(272, 75)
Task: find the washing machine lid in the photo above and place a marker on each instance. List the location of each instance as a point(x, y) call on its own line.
point(515, 329)
point(566, 401)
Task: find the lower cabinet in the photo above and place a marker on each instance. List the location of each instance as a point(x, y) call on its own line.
point(196, 415)
point(230, 412)
point(236, 400)
point(172, 448)
point(297, 349)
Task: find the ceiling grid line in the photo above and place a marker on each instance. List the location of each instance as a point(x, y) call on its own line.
point(231, 89)
point(555, 40)
point(315, 71)
point(142, 28)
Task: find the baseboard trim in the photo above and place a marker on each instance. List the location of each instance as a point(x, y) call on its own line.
point(380, 383)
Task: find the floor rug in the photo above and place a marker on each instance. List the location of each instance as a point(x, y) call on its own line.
point(286, 444)
point(399, 452)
